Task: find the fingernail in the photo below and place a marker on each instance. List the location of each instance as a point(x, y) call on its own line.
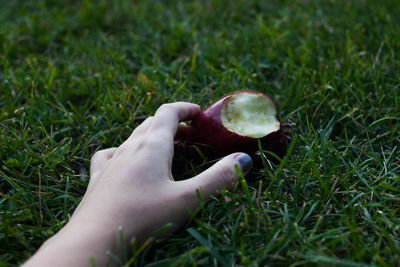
point(245, 162)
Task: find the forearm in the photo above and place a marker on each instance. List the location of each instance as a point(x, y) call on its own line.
point(77, 244)
point(93, 231)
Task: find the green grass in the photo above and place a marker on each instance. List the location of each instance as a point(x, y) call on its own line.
point(78, 76)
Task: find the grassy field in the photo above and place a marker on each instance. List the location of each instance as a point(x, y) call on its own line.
point(79, 76)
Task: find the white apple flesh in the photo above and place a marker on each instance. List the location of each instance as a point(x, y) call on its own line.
point(249, 114)
point(236, 122)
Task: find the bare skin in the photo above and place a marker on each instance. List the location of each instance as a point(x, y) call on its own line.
point(132, 187)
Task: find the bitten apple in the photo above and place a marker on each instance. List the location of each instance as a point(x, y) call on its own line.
point(236, 122)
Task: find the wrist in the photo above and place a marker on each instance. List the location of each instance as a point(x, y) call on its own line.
point(87, 241)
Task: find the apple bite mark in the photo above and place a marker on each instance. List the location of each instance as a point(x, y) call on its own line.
point(237, 122)
point(250, 114)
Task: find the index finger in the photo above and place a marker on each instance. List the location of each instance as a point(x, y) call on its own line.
point(168, 116)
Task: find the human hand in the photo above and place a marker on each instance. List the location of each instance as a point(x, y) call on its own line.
point(132, 187)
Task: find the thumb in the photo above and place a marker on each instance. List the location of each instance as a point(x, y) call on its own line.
point(221, 174)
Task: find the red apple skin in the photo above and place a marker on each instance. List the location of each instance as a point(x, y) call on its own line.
point(214, 140)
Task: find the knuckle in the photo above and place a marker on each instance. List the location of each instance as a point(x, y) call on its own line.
point(120, 150)
point(103, 154)
point(165, 107)
point(98, 154)
point(148, 119)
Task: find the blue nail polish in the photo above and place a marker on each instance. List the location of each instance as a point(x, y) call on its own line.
point(245, 163)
